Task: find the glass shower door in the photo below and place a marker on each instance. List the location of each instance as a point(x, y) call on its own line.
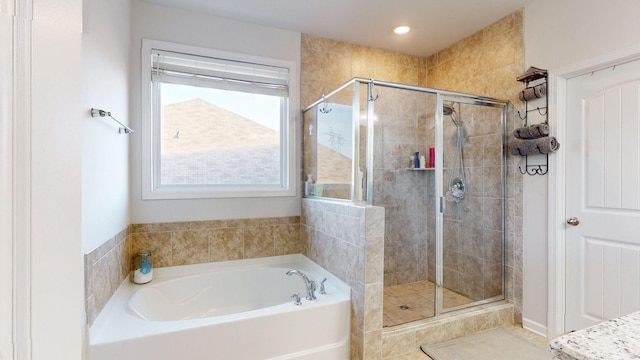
point(403, 125)
point(472, 190)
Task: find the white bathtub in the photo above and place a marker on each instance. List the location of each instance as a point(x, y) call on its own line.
point(235, 310)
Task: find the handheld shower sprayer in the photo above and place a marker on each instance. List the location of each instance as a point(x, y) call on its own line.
point(457, 181)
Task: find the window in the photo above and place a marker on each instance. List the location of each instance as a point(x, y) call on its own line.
point(218, 124)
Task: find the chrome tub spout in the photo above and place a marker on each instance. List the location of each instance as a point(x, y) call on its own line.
point(308, 283)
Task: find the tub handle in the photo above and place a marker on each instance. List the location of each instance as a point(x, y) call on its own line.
point(296, 299)
point(322, 290)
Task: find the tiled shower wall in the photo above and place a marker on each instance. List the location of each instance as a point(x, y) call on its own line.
point(327, 64)
point(183, 243)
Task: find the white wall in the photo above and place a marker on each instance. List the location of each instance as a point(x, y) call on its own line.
point(172, 25)
point(54, 211)
point(105, 152)
point(7, 19)
point(558, 34)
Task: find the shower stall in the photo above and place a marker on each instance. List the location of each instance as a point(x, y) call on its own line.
point(444, 224)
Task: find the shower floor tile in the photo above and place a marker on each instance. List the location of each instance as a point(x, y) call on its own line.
point(415, 301)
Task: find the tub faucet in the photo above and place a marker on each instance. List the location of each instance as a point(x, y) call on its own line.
point(310, 284)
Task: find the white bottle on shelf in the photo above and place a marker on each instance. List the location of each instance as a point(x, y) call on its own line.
point(308, 185)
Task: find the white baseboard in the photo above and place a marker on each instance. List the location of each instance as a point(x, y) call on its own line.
point(535, 327)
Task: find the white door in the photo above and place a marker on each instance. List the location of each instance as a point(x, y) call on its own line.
point(603, 195)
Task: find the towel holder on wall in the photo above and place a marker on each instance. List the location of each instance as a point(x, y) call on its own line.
point(533, 74)
point(124, 129)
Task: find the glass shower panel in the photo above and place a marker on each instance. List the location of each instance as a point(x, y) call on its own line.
point(331, 142)
point(360, 99)
point(474, 203)
point(403, 121)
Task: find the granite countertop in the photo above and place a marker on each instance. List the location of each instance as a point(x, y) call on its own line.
point(617, 339)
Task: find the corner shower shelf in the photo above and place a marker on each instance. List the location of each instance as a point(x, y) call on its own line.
point(535, 169)
point(421, 169)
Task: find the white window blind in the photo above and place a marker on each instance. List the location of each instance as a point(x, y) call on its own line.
point(225, 74)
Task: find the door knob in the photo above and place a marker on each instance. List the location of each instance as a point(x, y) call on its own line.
point(573, 221)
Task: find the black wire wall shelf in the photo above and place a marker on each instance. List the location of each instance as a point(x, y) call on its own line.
point(534, 74)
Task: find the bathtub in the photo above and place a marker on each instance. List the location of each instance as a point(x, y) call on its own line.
point(233, 310)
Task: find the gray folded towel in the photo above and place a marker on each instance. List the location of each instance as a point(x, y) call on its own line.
point(532, 93)
point(532, 131)
point(544, 145)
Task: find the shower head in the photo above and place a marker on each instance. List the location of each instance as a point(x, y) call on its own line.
point(449, 110)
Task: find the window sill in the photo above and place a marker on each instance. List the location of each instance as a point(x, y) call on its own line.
point(185, 194)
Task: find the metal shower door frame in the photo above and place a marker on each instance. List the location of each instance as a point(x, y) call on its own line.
point(441, 202)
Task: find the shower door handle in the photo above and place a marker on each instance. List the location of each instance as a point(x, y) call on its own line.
point(442, 204)
point(573, 221)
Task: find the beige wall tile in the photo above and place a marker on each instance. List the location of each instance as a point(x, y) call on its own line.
point(373, 306)
point(502, 26)
point(357, 344)
point(374, 259)
point(190, 247)
point(160, 244)
point(287, 239)
point(335, 249)
point(226, 244)
point(258, 242)
point(373, 345)
point(398, 343)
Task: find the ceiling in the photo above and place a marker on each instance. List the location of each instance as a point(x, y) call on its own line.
point(435, 24)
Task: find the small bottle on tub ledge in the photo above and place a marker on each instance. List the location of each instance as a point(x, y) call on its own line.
point(143, 267)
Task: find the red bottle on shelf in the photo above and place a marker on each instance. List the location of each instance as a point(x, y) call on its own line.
point(432, 157)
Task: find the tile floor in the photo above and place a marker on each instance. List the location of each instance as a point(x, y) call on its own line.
point(415, 301)
point(534, 338)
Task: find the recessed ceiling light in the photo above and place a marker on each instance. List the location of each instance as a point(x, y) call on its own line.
point(402, 29)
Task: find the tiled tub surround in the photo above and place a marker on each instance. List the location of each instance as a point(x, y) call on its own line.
point(183, 243)
point(348, 241)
